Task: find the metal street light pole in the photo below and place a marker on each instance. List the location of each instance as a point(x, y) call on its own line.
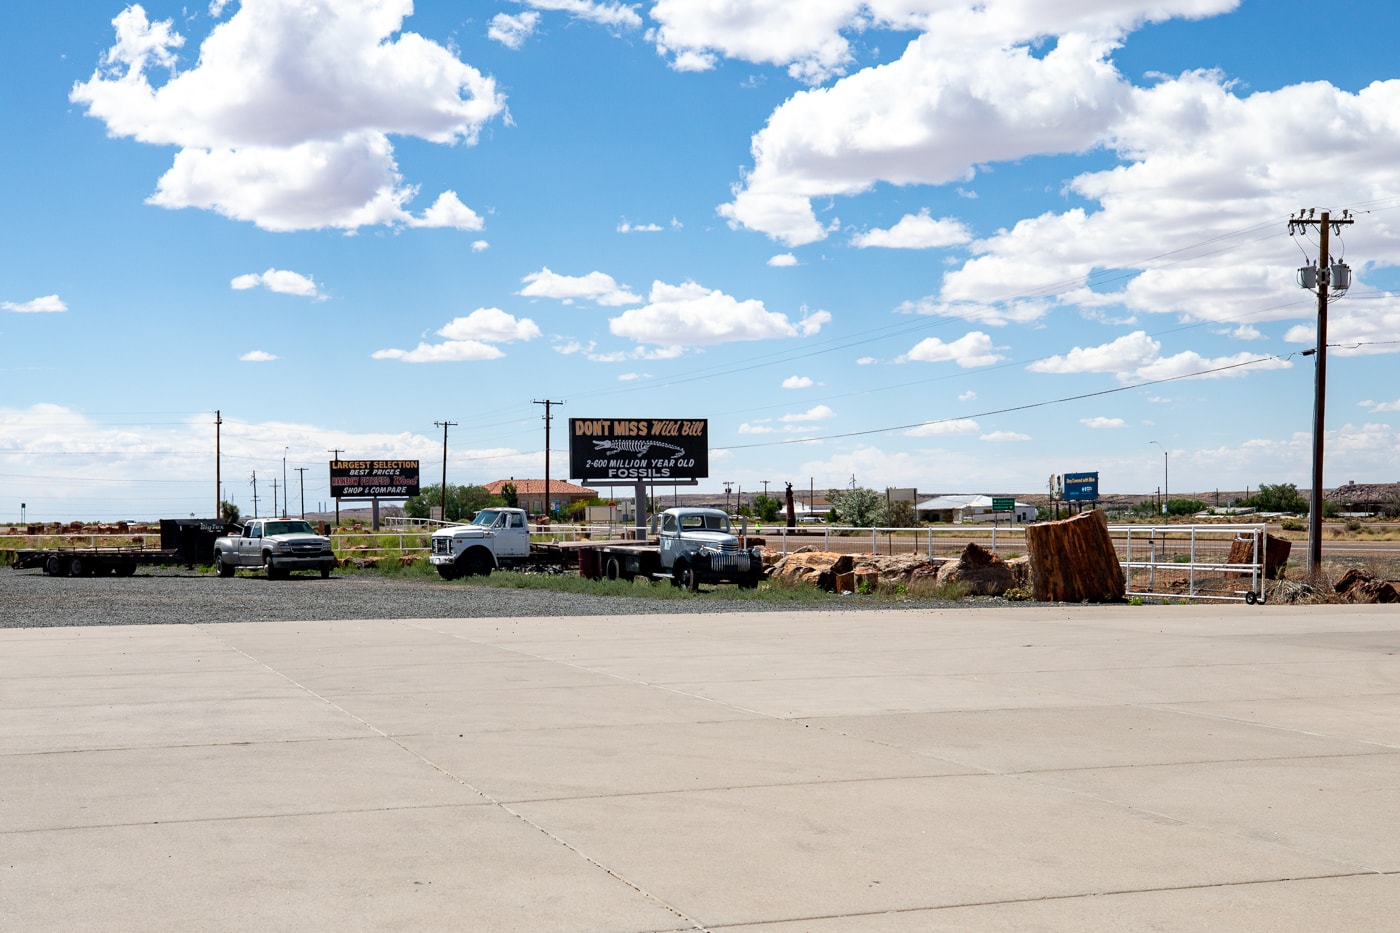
point(1166, 495)
point(285, 489)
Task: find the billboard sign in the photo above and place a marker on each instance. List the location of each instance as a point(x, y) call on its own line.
point(374, 479)
point(629, 450)
point(1081, 487)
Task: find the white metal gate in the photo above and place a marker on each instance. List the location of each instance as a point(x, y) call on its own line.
point(1192, 561)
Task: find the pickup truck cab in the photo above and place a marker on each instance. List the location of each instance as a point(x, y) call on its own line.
point(277, 545)
point(495, 538)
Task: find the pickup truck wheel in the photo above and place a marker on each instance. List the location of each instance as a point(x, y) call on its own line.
point(325, 573)
point(273, 571)
point(223, 569)
point(54, 567)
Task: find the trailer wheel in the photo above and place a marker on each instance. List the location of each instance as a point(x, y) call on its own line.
point(223, 569)
point(612, 570)
point(54, 567)
point(77, 567)
point(125, 569)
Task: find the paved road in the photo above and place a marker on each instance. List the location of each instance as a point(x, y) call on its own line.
point(1071, 768)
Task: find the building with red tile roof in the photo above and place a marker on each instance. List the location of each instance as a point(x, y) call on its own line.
point(531, 493)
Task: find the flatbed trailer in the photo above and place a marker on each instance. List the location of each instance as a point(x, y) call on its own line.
point(94, 561)
point(185, 541)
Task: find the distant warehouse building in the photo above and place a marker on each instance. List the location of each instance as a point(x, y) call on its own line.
point(959, 509)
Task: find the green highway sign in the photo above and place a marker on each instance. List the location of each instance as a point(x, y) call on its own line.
point(1007, 504)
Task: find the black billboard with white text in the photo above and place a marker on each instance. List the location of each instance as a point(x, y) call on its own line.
point(624, 451)
point(374, 479)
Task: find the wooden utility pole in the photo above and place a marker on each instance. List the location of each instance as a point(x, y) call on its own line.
point(547, 403)
point(444, 425)
point(302, 471)
point(335, 452)
point(218, 483)
point(1323, 272)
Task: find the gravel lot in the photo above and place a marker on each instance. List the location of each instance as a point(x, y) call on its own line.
point(29, 599)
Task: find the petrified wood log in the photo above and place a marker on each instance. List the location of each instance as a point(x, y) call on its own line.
point(1074, 560)
point(1276, 551)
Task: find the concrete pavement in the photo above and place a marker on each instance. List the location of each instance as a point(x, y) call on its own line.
point(1076, 768)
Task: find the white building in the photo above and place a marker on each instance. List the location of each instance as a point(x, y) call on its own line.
point(960, 509)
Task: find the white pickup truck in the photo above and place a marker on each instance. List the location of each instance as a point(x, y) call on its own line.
point(277, 545)
point(495, 538)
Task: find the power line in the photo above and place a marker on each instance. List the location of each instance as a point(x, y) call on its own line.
point(998, 411)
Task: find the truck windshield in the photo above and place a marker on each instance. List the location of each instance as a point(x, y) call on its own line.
point(705, 523)
point(486, 518)
point(289, 528)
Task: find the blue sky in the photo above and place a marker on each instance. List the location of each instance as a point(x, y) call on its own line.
point(952, 245)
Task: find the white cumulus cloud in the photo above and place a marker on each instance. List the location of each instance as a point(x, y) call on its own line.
point(46, 304)
point(469, 339)
point(798, 382)
point(692, 315)
point(282, 281)
point(257, 356)
point(285, 115)
point(916, 231)
point(512, 31)
point(816, 413)
point(1101, 422)
point(490, 325)
point(607, 14)
point(1137, 357)
point(970, 350)
point(450, 351)
point(597, 287)
point(940, 428)
point(1380, 406)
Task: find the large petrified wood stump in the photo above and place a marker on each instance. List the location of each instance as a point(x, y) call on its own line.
point(1073, 560)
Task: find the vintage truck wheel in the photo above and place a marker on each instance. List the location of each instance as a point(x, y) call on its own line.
point(447, 571)
point(223, 569)
point(686, 577)
point(481, 564)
